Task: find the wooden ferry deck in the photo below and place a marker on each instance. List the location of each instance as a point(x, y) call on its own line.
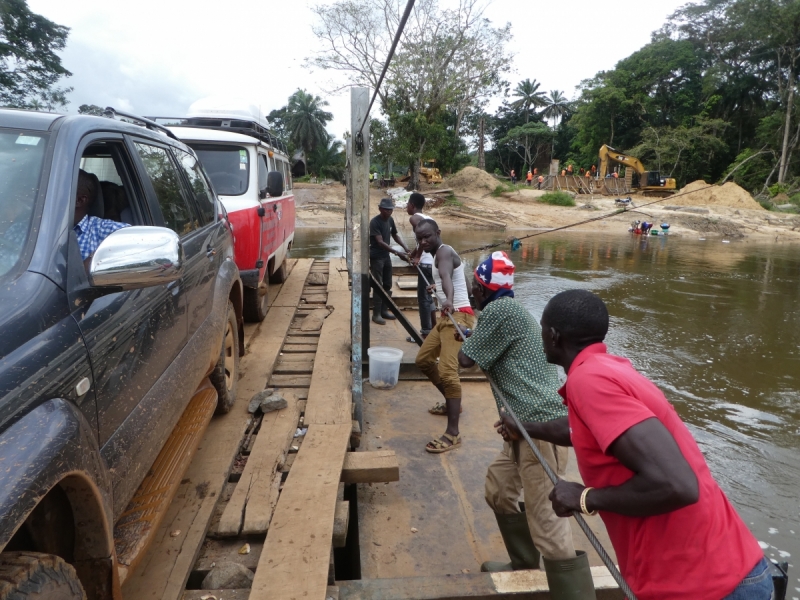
point(284, 507)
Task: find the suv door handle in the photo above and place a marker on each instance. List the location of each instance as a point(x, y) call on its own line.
point(210, 251)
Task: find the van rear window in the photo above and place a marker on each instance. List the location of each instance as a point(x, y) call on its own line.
point(227, 166)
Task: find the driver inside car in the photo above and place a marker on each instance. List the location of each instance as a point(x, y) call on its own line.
point(91, 231)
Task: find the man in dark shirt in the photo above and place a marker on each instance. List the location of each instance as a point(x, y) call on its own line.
point(381, 232)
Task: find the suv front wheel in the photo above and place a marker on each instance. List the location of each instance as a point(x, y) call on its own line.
point(226, 373)
point(37, 576)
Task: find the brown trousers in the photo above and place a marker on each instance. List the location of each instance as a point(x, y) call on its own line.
point(516, 469)
point(441, 343)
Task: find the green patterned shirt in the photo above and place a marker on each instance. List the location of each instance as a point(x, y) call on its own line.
point(507, 343)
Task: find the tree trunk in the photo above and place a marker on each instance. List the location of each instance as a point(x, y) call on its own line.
point(785, 146)
point(481, 155)
point(413, 183)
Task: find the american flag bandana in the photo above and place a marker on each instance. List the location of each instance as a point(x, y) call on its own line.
point(496, 272)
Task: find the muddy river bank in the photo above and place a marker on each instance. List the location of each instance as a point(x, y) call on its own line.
point(715, 325)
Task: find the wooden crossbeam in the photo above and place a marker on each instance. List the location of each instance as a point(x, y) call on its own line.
point(377, 466)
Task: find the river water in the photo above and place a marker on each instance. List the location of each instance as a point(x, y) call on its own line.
point(715, 325)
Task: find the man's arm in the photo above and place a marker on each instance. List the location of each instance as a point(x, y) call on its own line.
point(400, 241)
point(662, 479)
point(379, 240)
point(444, 258)
point(555, 431)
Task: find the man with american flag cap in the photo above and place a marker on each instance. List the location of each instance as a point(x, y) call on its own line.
point(507, 344)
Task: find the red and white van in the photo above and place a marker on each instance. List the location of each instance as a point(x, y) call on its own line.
point(250, 171)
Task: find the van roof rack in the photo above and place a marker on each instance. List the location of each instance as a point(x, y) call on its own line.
point(243, 126)
point(112, 113)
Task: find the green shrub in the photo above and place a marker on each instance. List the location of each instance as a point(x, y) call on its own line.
point(303, 179)
point(767, 204)
point(778, 188)
point(451, 200)
point(795, 199)
point(557, 199)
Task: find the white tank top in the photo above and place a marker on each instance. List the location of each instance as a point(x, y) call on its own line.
point(460, 295)
point(426, 258)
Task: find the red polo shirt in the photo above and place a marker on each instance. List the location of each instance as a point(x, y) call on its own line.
point(701, 551)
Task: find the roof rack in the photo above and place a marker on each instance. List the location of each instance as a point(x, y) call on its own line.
point(113, 113)
point(242, 126)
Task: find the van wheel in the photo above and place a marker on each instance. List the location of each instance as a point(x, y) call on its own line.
point(256, 303)
point(37, 576)
point(279, 276)
point(226, 373)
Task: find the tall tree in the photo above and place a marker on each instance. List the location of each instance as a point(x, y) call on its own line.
point(29, 65)
point(528, 97)
point(556, 106)
point(327, 159)
point(305, 121)
point(448, 59)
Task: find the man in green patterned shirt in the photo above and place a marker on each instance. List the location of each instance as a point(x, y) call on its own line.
point(507, 344)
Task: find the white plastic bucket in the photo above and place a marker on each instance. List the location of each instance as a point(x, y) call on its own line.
point(384, 366)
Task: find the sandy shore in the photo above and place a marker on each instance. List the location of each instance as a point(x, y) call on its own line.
point(320, 205)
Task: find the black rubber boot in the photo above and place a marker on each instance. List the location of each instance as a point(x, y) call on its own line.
point(571, 578)
point(518, 542)
point(387, 314)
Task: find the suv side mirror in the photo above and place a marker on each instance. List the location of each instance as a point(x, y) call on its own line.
point(275, 183)
point(137, 257)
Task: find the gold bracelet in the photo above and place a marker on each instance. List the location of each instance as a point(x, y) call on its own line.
point(584, 510)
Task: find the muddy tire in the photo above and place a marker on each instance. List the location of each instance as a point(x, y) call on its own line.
point(279, 276)
point(226, 372)
point(255, 304)
point(37, 576)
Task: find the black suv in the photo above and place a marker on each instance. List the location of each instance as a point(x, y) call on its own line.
point(100, 355)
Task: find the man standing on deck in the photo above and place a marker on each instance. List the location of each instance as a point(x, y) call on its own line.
point(507, 344)
point(675, 533)
point(451, 291)
point(381, 232)
point(422, 259)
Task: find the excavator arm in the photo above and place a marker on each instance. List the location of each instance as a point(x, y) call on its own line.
point(608, 155)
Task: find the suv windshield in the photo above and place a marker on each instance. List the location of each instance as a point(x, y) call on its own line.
point(21, 158)
point(227, 166)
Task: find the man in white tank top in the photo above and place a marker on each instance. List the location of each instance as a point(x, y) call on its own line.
point(450, 287)
point(427, 312)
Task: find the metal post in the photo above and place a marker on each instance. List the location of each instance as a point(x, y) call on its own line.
point(358, 197)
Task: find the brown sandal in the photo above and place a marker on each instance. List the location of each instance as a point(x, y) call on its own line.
point(437, 446)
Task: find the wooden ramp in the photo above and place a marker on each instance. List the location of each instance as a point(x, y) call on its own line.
point(167, 564)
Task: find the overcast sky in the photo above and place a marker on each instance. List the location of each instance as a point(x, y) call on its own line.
point(156, 57)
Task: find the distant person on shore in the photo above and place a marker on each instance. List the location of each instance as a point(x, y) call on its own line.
point(507, 344)
point(451, 291)
point(381, 231)
point(540, 181)
point(529, 178)
point(675, 533)
point(427, 312)
point(513, 177)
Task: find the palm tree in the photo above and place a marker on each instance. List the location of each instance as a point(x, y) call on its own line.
point(327, 159)
point(305, 120)
point(529, 96)
point(557, 106)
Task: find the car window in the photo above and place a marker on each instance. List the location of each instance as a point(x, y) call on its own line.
point(263, 169)
point(178, 215)
point(21, 160)
point(228, 167)
point(202, 192)
point(107, 160)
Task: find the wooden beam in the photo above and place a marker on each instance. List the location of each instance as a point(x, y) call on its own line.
point(338, 280)
point(294, 561)
point(329, 393)
point(292, 290)
point(250, 499)
point(517, 585)
point(376, 466)
point(341, 518)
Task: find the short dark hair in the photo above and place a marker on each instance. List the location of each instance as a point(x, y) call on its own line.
point(418, 200)
point(86, 184)
point(428, 223)
point(579, 316)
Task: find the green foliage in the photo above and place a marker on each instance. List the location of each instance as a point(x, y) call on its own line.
point(29, 64)
point(305, 121)
point(778, 188)
point(90, 109)
point(795, 199)
point(501, 189)
point(327, 160)
point(451, 200)
point(557, 198)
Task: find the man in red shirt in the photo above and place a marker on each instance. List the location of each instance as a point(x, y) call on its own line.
point(675, 533)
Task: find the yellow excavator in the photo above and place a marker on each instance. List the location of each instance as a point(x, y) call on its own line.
point(427, 171)
point(649, 183)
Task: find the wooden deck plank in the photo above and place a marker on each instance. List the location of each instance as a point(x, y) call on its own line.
point(340, 521)
point(292, 289)
point(474, 586)
point(272, 441)
point(377, 466)
point(294, 561)
point(165, 568)
point(337, 275)
point(329, 394)
point(290, 381)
